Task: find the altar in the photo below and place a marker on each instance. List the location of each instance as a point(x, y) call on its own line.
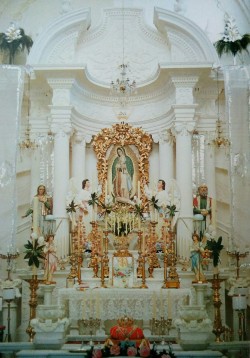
point(110, 304)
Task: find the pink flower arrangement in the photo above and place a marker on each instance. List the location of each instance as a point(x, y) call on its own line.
point(132, 351)
point(144, 351)
point(97, 353)
point(115, 350)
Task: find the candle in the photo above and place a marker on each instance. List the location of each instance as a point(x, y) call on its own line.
point(169, 305)
point(106, 188)
point(161, 303)
point(139, 190)
point(154, 306)
point(97, 305)
point(84, 307)
point(106, 222)
point(90, 304)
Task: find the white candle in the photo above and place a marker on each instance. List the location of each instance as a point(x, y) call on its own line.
point(97, 305)
point(83, 308)
point(154, 306)
point(106, 189)
point(161, 303)
point(139, 190)
point(169, 306)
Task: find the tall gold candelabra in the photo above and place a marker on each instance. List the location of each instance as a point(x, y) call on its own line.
point(33, 286)
point(171, 278)
point(152, 257)
point(238, 255)
point(218, 329)
point(139, 260)
point(10, 257)
point(143, 279)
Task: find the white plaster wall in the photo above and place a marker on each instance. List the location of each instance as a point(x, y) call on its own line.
point(206, 14)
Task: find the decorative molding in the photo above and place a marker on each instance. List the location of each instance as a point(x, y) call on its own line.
point(188, 32)
point(183, 129)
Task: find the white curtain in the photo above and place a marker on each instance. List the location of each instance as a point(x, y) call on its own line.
point(237, 104)
point(11, 93)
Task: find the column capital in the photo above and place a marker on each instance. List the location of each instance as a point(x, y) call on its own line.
point(166, 136)
point(61, 129)
point(183, 128)
point(184, 88)
point(81, 137)
point(61, 90)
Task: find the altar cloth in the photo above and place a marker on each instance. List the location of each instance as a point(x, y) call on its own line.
point(112, 303)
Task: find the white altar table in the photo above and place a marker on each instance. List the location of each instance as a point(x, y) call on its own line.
point(111, 303)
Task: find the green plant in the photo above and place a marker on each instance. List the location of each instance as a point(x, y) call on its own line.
point(232, 42)
point(34, 252)
point(215, 248)
point(14, 40)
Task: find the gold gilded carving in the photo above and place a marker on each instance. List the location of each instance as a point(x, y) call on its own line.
point(123, 134)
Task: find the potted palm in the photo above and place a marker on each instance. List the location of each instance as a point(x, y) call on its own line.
point(232, 41)
point(215, 247)
point(34, 252)
point(14, 40)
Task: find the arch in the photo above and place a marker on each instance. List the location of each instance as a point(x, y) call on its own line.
point(185, 36)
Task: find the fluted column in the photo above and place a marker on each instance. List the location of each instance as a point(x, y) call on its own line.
point(166, 155)
point(61, 128)
point(35, 173)
point(183, 131)
point(210, 177)
point(183, 126)
point(78, 158)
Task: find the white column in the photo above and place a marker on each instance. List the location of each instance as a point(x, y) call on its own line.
point(61, 182)
point(35, 173)
point(61, 128)
point(183, 130)
point(210, 177)
point(183, 127)
point(78, 158)
point(166, 155)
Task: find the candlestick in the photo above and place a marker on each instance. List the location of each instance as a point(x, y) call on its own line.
point(139, 190)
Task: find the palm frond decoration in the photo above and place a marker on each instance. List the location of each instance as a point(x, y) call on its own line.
point(153, 201)
point(215, 248)
point(139, 209)
point(94, 199)
point(71, 207)
point(34, 252)
point(172, 210)
point(14, 40)
point(232, 41)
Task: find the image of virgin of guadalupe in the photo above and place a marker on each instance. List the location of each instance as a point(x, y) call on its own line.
point(122, 175)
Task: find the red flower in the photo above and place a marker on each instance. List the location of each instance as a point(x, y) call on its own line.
point(97, 353)
point(132, 351)
point(144, 351)
point(115, 350)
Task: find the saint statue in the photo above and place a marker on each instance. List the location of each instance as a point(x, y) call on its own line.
point(50, 264)
point(196, 256)
point(202, 206)
point(40, 207)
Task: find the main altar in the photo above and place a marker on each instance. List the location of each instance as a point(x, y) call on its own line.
point(121, 259)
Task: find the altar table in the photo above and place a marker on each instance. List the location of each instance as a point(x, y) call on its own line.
point(112, 303)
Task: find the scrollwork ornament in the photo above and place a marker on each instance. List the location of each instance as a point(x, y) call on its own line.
point(183, 129)
point(123, 134)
